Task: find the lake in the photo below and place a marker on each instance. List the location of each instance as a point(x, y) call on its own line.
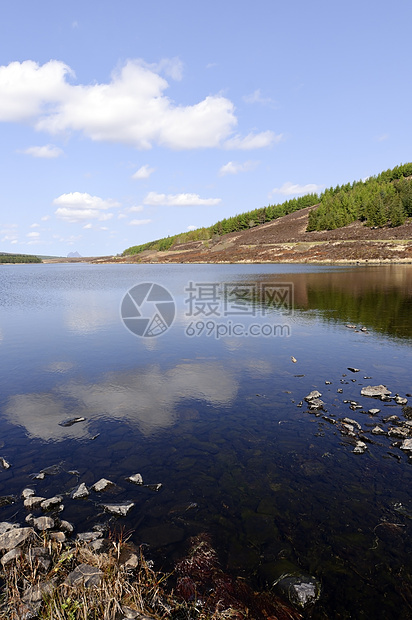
point(195, 377)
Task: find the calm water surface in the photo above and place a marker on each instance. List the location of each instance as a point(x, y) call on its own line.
point(215, 418)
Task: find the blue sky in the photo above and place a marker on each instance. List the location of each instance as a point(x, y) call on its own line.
point(122, 122)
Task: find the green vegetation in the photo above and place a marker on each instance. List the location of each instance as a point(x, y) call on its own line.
point(19, 258)
point(382, 200)
point(228, 225)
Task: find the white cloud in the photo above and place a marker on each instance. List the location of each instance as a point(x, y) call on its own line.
point(45, 218)
point(33, 234)
point(131, 108)
point(87, 226)
point(27, 89)
point(290, 189)
point(143, 173)
point(136, 209)
point(49, 151)
point(139, 222)
point(256, 97)
point(233, 167)
point(76, 207)
point(178, 200)
point(121, 216)
point(35, 225)
point(191, 227)
point(253, 141)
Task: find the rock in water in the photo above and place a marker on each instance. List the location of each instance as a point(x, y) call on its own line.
point(301, 590)
point(136, 479)
point(118, 509)
point(375, 391)
point(71, 421)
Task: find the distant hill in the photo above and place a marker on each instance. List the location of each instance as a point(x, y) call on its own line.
point(18, 258)
point(382, 200)
point(74, 255)
point(363, 220)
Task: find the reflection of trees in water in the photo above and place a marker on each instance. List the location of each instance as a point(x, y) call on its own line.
point(378, 297)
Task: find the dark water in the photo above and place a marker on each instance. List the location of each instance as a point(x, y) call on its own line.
point(214, 417)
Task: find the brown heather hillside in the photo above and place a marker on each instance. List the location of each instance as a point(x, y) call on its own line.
point(286, 240)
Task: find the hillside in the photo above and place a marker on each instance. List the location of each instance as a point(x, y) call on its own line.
point(376, 211)
point(287, 240)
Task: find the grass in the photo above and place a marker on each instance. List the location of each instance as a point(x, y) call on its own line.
point(38, 583)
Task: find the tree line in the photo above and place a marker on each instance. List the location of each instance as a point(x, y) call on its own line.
point(381, 200)
point(19, 258)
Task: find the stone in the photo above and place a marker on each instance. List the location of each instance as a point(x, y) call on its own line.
point(398, 432)
point(378, 431)
point(136, 479)
point(375, 391)
point(119, 509)
point(71, 421)
point(66, 527)
point(53, 502)
point(35, 593)
point(314, 394)
point(5, 526)
point(407, 445)
point(353, 369)
point(28, 493)
point(316, 403)
point(33, 501)
point(353, 422)
point(130, 613)
point(374, 411)
point(84, 574)
point(58, 536)
point(4, 464)
point(43, 523)
point(102, 485)
point(360, 447)
point(301, 590)
point(10, 556)
point(80, 491)
point(401, 401)
point(15, 538)
point(88, 537)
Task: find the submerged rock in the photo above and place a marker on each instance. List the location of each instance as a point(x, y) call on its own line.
point(375, 391)
point(300, 590)
point(119, 509)
point(71, 421)
point(401, 401)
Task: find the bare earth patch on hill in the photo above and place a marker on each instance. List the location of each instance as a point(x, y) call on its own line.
point(286, 240)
